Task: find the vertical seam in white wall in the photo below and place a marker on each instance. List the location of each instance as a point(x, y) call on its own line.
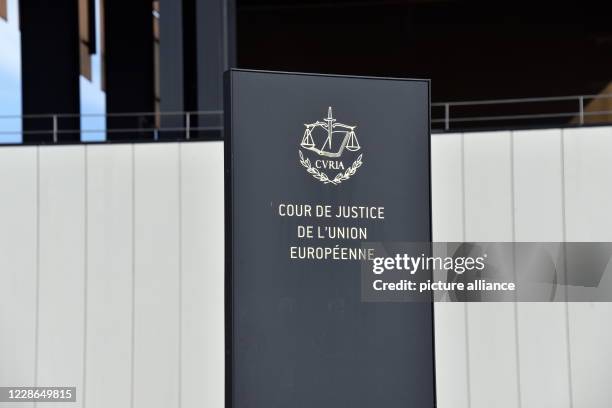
point(564, 234)
point(465, 305)
point(85, 271)
point(37, 307)
point(516, 317)
point(133, 311)
point(180, 276)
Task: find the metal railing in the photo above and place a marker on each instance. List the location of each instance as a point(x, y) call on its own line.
point(446, 117)
point(557, 108)
point(183, 125)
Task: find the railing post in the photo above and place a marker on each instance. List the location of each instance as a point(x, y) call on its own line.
point(54, 128)
point(446, 116)
point(187, 125)
point(581, 107)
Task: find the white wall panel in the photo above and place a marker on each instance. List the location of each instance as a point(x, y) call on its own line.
point(18, 263)
point(542, 327)
point(109, 276)
point(588, 197)
point(452, 374)
point(62, 268)
point(157, 276)
point(488, 217)
point(538, 186)
point(202, 283)
point(447, 187)
point(588, 183)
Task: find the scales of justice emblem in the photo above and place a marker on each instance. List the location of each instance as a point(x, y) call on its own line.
point(329, 143)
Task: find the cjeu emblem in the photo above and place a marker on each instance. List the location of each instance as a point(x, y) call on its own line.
point(330, 150)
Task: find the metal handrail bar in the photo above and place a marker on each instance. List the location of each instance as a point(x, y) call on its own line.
point(220, 112)
point(521, 100)
point(526, 116)
point(118, 130)
point(109, 115)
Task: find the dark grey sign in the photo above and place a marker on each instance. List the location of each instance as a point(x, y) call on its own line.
point(316, 165)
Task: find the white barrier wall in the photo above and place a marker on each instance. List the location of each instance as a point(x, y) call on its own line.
point(538, 185)
point(111, 270)
point(111, 273)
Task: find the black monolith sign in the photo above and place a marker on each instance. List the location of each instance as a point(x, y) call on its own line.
point(315, 166)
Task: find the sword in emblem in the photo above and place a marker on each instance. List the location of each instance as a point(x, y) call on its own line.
point(330, 129)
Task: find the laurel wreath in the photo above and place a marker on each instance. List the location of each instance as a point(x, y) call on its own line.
point(340, 177)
